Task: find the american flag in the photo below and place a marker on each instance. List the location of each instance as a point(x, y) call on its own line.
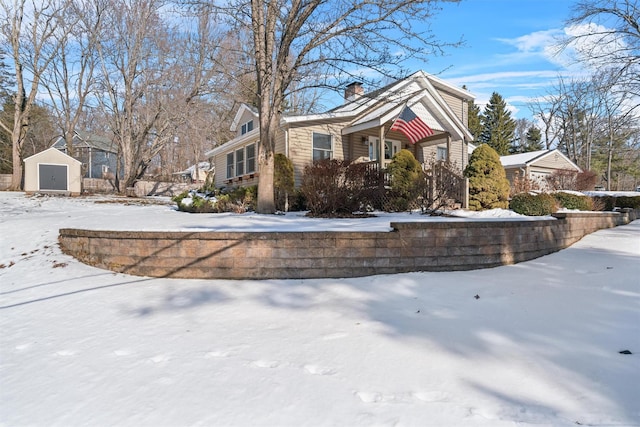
point(411, 125)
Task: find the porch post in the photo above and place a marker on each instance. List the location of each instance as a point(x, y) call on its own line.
point(448, 147)
point(381, 148)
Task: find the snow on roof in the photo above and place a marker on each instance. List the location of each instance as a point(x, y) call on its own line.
point(522, 158)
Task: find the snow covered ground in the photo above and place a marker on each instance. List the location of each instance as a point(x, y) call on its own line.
point(536, 343)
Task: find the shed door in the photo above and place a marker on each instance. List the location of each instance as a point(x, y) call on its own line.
point(53, 177)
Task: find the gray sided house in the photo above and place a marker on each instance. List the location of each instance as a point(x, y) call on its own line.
point(537, 166)
point(360, 129)
point(99, 155)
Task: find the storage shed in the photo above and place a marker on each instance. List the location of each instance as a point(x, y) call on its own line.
point(52, 171)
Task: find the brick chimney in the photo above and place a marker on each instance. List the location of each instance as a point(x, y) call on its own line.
point(353, 91)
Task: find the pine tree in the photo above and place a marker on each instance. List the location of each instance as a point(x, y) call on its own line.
point(475, 126)
point(473, 118)
point(488, 184)
point(498, 128)
point(534, 140)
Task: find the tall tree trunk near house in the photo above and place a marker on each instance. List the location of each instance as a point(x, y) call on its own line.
point(266, 163)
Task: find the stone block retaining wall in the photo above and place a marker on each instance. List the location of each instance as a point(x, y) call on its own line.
point(411, 246)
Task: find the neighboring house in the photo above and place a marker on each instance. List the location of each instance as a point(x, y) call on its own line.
point(99, 155)
point(51, 171)
point(195, 175)
point(537, 165)
point(357, 130)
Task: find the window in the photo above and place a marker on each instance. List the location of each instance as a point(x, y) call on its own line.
point(373, 149)
point(240, 162)
point(441, 154)
point(390, 149)
point(230, 173)
point(321, 146)
point(251, 158)
point(247, 127)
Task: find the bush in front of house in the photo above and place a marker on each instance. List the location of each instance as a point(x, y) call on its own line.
point(405, 173)
point(326, 190)
point(194, 202)
point(488, 184)
point(238, 200)
point(283, 181)
point(573, 201)
point(533, 204)
point(609, 203)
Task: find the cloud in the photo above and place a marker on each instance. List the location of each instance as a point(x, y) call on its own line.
point(536, 78)
point(534, 43)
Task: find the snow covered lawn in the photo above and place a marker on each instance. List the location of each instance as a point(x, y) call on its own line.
point(536, 343)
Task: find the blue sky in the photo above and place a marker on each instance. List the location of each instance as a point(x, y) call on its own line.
point(507, 48)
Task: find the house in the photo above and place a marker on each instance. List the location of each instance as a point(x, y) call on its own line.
point(99, 155)
point(537, 165)
point(193, 174)
point(52, 171)
point(359, 129)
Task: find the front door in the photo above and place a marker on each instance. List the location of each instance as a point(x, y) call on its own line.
point(390, 149)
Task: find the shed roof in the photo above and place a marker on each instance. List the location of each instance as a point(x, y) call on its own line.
point(527, 159)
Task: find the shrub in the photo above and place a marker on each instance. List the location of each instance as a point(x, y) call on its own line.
point(523, 184)
point(405, 173)
point(573, 201)
point(533, 204)
point(586, 180)
point(326, 189)
point(283, 181)
point(563, 179)
point(609, 203)
point(488, 184)
point(238, 200)
point(194, 202)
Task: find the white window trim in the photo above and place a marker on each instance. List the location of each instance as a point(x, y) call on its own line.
point(313, 149)
point(232, 164)
point(246, 158)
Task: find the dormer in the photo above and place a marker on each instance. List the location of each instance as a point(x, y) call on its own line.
point(245, 121)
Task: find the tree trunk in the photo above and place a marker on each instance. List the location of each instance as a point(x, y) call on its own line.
point(266, 162)
point(16, 177)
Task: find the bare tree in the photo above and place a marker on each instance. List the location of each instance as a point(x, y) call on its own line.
point(318, 43)
point(29, 30)
point(70, 77)
point(156, 72)
point(619, 122)
point(546, 110)
point(611, 37)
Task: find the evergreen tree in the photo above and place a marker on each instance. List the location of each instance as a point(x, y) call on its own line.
point(473, 118)
point(475, 126)
point(488, 184)
point(534, 140)
point(498, 128)
point(283, 181)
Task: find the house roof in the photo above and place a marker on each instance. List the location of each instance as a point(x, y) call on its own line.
point(526, 159)
point(236, 119)
point(419, 91)
point(86, 139)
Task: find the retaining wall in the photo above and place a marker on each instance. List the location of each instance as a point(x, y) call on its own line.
point(411, 246)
